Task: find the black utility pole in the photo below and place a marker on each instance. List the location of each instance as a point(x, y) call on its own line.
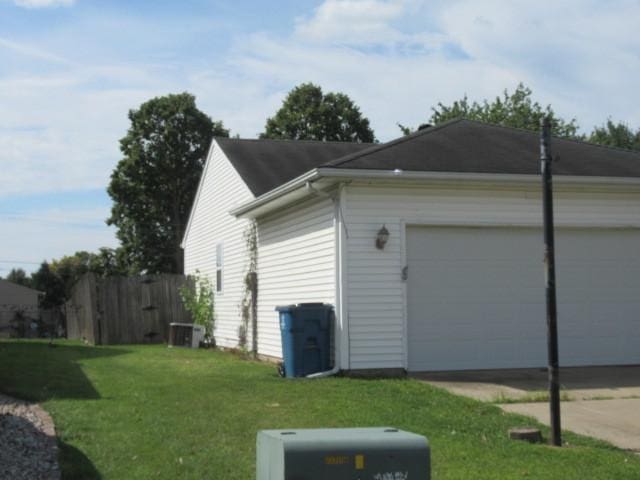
point(550, 280)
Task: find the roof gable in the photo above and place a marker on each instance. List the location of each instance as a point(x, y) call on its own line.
point(217, 166)
point(10, 292)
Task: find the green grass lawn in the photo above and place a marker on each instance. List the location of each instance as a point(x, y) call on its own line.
point(142, 412)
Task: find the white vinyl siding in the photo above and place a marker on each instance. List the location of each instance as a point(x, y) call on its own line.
point(376, 293)
point(221, 190)
point(296, 264)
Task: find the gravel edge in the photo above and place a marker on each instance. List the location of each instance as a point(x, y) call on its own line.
point(28, 444)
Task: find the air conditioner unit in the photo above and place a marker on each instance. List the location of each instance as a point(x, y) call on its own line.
point(185, 335)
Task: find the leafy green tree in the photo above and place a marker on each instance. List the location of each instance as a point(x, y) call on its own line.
point(70, 268)
point(511, 110)
point(109, 261)
point(408, 130)
point(154, 185)
point(309, 114)
point(19, 276)
point(47, 281)
point(104, 263)
point(616, 135)
point(57, 278)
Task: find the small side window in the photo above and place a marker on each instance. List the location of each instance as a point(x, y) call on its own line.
point(219, 265)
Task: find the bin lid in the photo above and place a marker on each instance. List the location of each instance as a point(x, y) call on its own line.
point(285, 308)
point(315, 305)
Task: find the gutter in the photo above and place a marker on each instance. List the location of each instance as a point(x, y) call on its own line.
point(471, 177)
point(283, 189)
point(306, 180)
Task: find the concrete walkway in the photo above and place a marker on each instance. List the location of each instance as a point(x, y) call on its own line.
point(602, 402)
point(617, 421)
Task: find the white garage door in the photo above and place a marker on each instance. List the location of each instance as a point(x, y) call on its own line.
point(476, 297)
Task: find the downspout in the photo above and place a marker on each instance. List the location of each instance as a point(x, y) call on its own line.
point(336, 339)
point(336, 361)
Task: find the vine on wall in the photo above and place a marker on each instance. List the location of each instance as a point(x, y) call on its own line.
point(249, 303)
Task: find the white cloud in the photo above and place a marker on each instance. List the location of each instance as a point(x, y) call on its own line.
point(580, 56)
point(43, 3)
point(63, 130)
point(397, 59)
point(388, 88)
point(61, 126)
point(369, 25)
point(62, 120)
point(32, 52)
point(352, 22)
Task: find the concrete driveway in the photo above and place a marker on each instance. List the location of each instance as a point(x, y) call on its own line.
point(602, 402)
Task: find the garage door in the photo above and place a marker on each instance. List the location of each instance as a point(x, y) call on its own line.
point(476, 297)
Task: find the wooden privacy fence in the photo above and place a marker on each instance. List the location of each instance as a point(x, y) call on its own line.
point(16, 321)
point(111, 310)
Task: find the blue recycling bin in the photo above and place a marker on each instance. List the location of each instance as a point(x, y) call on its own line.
point(306, 338)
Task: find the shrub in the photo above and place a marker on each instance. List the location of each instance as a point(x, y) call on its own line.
point(197, 297)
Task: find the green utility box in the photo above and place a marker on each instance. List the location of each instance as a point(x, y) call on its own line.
point(342, 454)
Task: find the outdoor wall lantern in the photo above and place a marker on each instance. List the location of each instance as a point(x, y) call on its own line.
point(382, 238)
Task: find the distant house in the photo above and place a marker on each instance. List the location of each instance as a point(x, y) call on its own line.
point(16, 300)
point(459, 283)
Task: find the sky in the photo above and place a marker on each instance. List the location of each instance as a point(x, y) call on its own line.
point(70, 70)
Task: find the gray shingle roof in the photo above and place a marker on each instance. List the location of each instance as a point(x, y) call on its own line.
point(460, 146)
point(267, 164)
point(467, 146)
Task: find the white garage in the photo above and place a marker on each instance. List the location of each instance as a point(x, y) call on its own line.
point(475, 297)
point(428, 246)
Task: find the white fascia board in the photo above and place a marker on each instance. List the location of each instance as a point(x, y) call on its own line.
point(288, 190)
point(295, 189)
point(486, 178)
point(214, 144)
